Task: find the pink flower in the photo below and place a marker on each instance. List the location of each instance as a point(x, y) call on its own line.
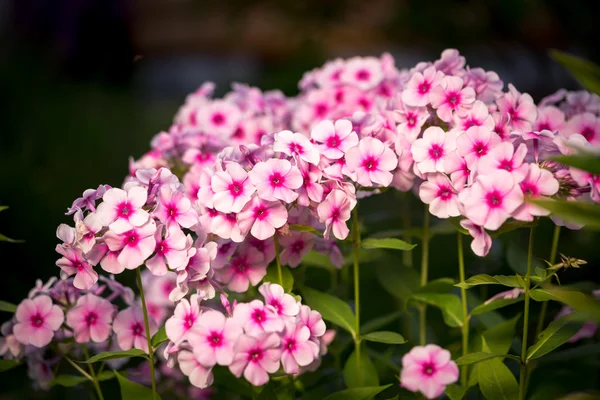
point(213, 338)
point(261, 217)
point(130, 330)
point(284, 304)
point(91, 319)
point(247, 267)
point(276, 179)
point(295, 246)
point(313, 321)
point(335, 140)
point(419, 87)
point(135, 245)
point(37, 319)
point(437, 191)
point(219, 118)
point(482, 242)
point(174, 208)
point(450, 96)
point(459, 171)
point(491, 199)
point(477, 115)
point(587, 125)
point(256, 317)
point(199, 375)
point(372, 162)
point(537, 183)
point(508, 294)
point(311, 189)
point(297, 350)
point(256, 357)
point(519, 107)
point(334, 211)
point(410, 121)
point(363, 72)
point(184, 319)
point(73, 262)
point(428, 369)
point(226, 226)
point(475, 143)
point(122, 210)
point(172, 249)
point(232, 189)
point(430, 151)
point(504, 157)
point(296, 144)
point(549, 118)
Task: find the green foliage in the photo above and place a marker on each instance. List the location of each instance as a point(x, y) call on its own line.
point(304, 228)
point(111, 355)
point(8, 307)
point(4, 238)
point(555, 335)
point(74, 380)
point(496, 382)
point(579, 212)
point(366, 375)
point(484, 279)
point(586, 72)
point(380, 322)
point(400, 282)
point(449, 304)
point(386, 243)
point(474, 358)
point(273, 277)
point(6, 365)
point(331, 308)
point(384, 337)
point(494, 305)
point(586, 305)
point(134, 391)
point(362, 393)
point(159, 337)
point(455, 392)
point(582, 160)
point(441, 285)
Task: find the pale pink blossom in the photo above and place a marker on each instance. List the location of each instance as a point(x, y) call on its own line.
point(311, 189)
point(219, 118)
point(122, 210)
point(428, 369)
point(430, 151)
point(334, 211)
point(519, 107)
point(537, 183)
point(418, 88)
point(363, 72)
point(86, 231)
point(437, 191)
point(457, 168)
point(37, 320)
point(587, 125)
point(256, 317)
point(313, 321)
point(74, 262)
point(171, 249)
point(276, 179)
point(256, 357)
point(504, 157)
point(245, 268)
point(549, 118)
point(91, 319)
point(410, 120)
point(226, 226)
point(174, 208)
point(487, 84)
point(213, 338)
point(475, 143)
point(284, 304)
point(184, 319)
point(232, 189)
point(261, 217)
point(199, 375)
point(450, 96)
point(295, 246)
point(334, 140)
point(372, 162)
point(130, 330)
point(482, 242)
point(296, 144)
point(477, 115)
point(508, 294)
point(297, 350)
point(135, 245)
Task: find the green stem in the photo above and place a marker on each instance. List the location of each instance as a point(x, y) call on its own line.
point(148, 335)
point(463, 297)
point(552, 259)
point(277, 252)
point(407, 260)
point(424, 273)
point(93, 374)
point(356, 249)
point(523, 377)
point(78, 368)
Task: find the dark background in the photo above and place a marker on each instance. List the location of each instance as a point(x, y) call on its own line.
point(85, 84)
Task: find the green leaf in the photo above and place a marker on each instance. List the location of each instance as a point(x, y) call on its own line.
point(111, 355)
point(318, 260)
point(267, 394)
point(273, 277)
point(5, 365)
point(586, 305)
point(400, 282)
point(304, 228)
point(362, 393)
point(134, 391)
point(224, 379)
point(380, 322)
point(384, 337)
point(500, 337)
point(441, 285)
point(7, 239)
point(474, 358)
point(386, 243)
point(331, 308)
point(449, 304)
point(484, 279)
point(494, 305)
point(496, 382)
point(2, 208)
point(159, 337)
point(582, 351)
point(8, 307)
point(586, 72)
point(74, 380)
point(365, 375)
point(576, 211)
point(555, 335)
point(455, 392)
point(585, 161)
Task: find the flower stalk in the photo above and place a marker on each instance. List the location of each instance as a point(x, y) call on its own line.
point(148, 335)
point(523, 375)
point(424, 276)
point(552, 260)
point(356, 250)
point(463, 298)
point(277, 260)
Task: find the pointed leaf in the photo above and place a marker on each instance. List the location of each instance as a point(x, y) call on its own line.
point(267, 394)
point(555, 335)
point(111, 355)
point(586, 305)
point(273, 277)
point(579, 212)
point(159, 337)
point(362, 393)
point(585, 161)
point(499, 338)
point(134, 391)
point(8, 307)
point(380, 322)
point(455, 392)
point(363, 375)
point(449, 304)
point(496, 382)
point(484, 279)
point(304, 228)
point(386, 243)
point(474, 358)
point(74, 380)
point(2, 208)
point(5, 365)
point(586, 72)
point(331, 308)
point(494, 305)
point(384, 337)
point(400, 282)
point(441, 285)
point(7, 239)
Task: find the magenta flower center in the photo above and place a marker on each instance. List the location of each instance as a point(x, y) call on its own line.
point(295, 148)
point(255, 355)
point(428, 369)
point(132, 238)
point(91, 318)
point(321, 110)
point(444, 192)
point(298, 246)
point(239, 265)
point(291, 344)
point(411, 120)
point(506, 165)
point(588, 133)
point(494, 199)
point(259, 315)
point(172, 210)
point(189, 320)
point(276, 304)
point(424, 87)
point(370, 163)
point(218, 119)
point(453, 99)
point(162, 247)
point(123, 210)
point(333, 141)
point(215, 339)
point(137, 329)
point(260, 213)
point(363, 75)
point(276, 179)
point(335, 214)
point(436, 151)
point(544, 125)
point(78, 265)
point(529, 188)
point(480, 148)
point(37, 320)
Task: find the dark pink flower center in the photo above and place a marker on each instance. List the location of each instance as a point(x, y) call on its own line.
point(333, 141)
point(544, 125)
point(189, 320)
point(506, 165)
point(494, 199)
point(298, 246)
point(295, 148)
point(436, 151)
point(480, 148)
point(277, 179)
point(321, 109)
point(363, 75)
point(444, 192)
point(453, 99)
point(137, 329)
point(529, 188)
point(218, 119)
point(335, 214)
point(259, 315)
point(411, 121)
point(276, 304)
point(215, 339)
point(424, 87)
point(428, 369)
point(162, 247)
point(78, 265)
point(124, 209)
point(370, 163)
point(255, 355)
point(37, 320)
point(364, 102)
point(260, 213)
point(291, 344)
point(588, 133)
point(172, 210)
point(91, 318)
point(132, 238)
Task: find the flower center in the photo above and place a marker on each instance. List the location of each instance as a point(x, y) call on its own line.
point(494, 199)
point(424, 87)
point(411, 120)
point(215, 339)
point(172, 211)
point(132, 238)
point(321, 110)
point(529, 189)
point(297, 246)
point(370, 163)
point(436, 151)
point(333, 141)
point(335, 214)
point(255, 355)
point(137, 329)
point(291, 344)
point(189, 321)
point(506, 165)
point(363, 75)
point(276, 179)
point(295, 148)
point(124, 209)
point(428, 369)
point(260, 213)
point(444, 193)
point(37, 320)
point(588, 133)
point(480, 149)
point(218, 119)
point(91, 318)
point(259, 315)
point(453, 98)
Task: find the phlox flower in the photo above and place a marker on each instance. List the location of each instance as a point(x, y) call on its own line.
point(450, 62)
point(10, 347)
point(256, 317)
point(587, 125)
point(297, 350)
point(199, 375)
point(418, 88)
point(205, 193)
point(450, 96)
point(284, 304)
point(428, 369)
point(245, 268)
point(475, 143)
point(487, 84)
point(219, 118)
point(174, 208)
point(232, 189)
point(519, 107)
point(437, 191)
point(311, 189)
point(430, 151)
point(91, 319)
point(122, 210)
point(334, 140)
point(482, 242)
point(88, 200)
point(135, 245)
point(171, 248)
point(295, 246)
point(492, 199)
point(37, 320)
point(261, 217)
point(372, 162)
point(129, 328)
point(549, 118)
point(508, 294)
point(213, 338)
point(410, 120)
point(505, 157)
point(313, 321)
point(256, 357)
point(334, 211)
point(457, 168)
point(477, 115)
point(86, 231)
point(276, 179)
point(184, 319)
point(226, 226)
point(156, 180)
point(74, 262)
point(296, 144)
point(537, 183)
point(362, 72)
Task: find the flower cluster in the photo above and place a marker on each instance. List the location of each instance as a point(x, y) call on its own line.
point(253, 339)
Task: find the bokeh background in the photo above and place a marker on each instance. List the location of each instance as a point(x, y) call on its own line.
point(85, 84)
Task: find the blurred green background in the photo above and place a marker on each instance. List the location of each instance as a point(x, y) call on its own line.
point(85, 84)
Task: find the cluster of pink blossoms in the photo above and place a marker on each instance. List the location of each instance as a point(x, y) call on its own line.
point(252, 339)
